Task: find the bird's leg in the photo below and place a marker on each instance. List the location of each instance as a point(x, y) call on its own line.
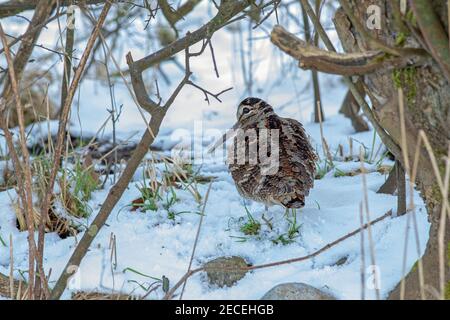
point(246, 202)
point(267, 221)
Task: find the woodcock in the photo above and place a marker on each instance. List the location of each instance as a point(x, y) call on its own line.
point(290, 183)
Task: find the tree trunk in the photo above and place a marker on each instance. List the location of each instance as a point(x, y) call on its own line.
point(350, 109)
point(427, 101)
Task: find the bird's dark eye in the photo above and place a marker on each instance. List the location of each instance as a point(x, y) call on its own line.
point(245, 110)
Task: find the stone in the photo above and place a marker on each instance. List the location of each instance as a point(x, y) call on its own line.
point(341, 261)
point(296, 291)
point(225, 271)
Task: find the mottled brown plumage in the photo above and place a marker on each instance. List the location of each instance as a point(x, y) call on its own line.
point(290, 183)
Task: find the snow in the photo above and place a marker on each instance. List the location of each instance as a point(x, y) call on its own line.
point(155, 246)
point(151, 244)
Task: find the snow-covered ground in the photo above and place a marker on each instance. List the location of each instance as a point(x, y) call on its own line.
point(150, 245)
point(154, 245)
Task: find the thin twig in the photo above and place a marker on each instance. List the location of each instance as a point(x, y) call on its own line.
point(190, 273)
point(63, 122)
point(404, 147)
point(11, 267)
point(363, 254)
point(326, 150)
point(170, 293)
point(433, 33)
point(34, 28)
point(27, 200)
point(202, 214)
point(228, 10)
point(369, 228)
point(442, 230)
point(70, 38)
point(213, 56)
point(41, 14)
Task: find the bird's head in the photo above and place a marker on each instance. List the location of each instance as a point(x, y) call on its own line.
point(251, 109)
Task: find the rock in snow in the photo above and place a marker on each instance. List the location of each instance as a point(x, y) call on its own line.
point(296, 291)
point(230, 273)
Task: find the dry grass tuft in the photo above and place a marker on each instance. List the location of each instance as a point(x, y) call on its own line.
point(101, 296)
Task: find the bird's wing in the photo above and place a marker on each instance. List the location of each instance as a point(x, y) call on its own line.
point(297, 159)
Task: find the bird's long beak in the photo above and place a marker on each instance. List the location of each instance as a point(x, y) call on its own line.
point(229, 134)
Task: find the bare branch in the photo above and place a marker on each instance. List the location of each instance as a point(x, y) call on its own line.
point(68, 50)
point(41, 14)
point(27, 201)
point(349, 64)
point(350, 109)
point(30, 30)
point(328, 246)
point(385, 137)
point(202, 214)
point(15, 7)
point(227, 10)
point(390, 185)
point(208, 93)
point(63, 121)
point(434, 34)
point(173, 16)
point(401, 186)
point(314, 73)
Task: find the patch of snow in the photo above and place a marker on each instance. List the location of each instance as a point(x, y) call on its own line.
point(153, 245)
